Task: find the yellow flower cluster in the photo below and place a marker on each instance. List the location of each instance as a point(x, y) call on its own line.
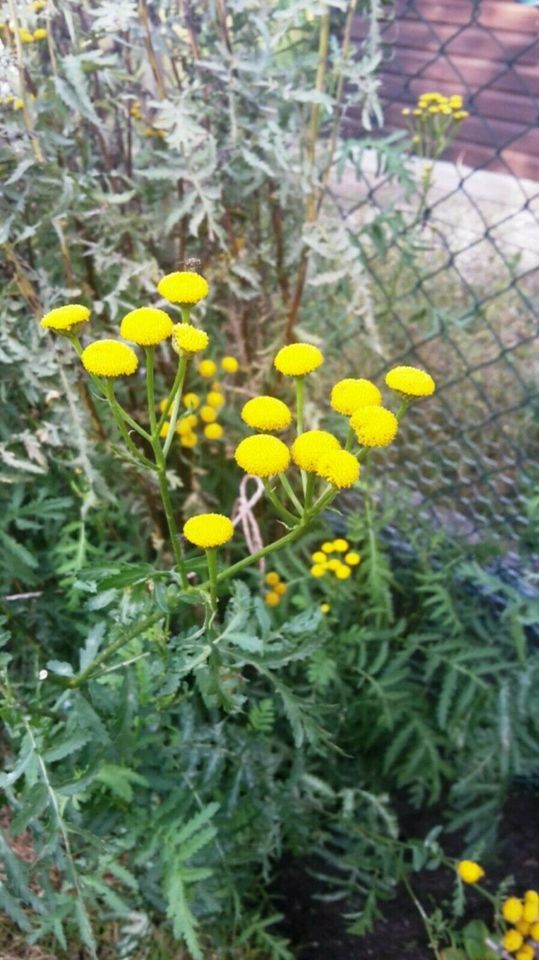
point(522, 938)
point(145, 326)
point(208, 530)
point(277, 590)
point(66, 319)
point(298, 359)
point(206, 416)
point(433, 104)
point(324, 561)
point(469, 871)
point(266, 414)
point(410, 382)
point(26, 36)
point(184, 287)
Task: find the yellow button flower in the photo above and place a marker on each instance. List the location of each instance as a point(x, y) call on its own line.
point(297, 359)
point(534, 931)
point(339, 468)
point(215, 399)
point(325, 607)
point(318, 557)
point(272, 578)
point(342, 572)
point(146, 326)
point(65, 319)
point(184, 287)
point(374, 426)
point(512, 910)
point(188, 338)
point(40, 33)
point(469, 871)
point(523, 927)
point(318, 570)
point(410, 381)
point(267, 414)
point(165, 429)
point(309, 447)
point(191, 401)
point(188, 440)
point(531, 911)
point(208, 414)
point(532, 895)
point(327, 546)
point(208, 530)
point(281, 588)
point(272, 598)
point(333, 564)
point(348, 395)
point(340, 545)
point(230, 364)
point(352, 558)
point(207, 368)
point(262, 456)
point(186, 424)
point(109, 358)
point(512, 941)
point(213, 431)
point(25, 35)
point(526, 952)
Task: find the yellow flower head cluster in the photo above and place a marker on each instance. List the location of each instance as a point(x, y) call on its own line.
point(207, 369)
point(65, 319)
point(262, 455)
point(146, 326)
point(410, 381)
point(348, 395)
point(298, 359)
point(109, 358)
point(469, 871)
point(277, 589)
point(189, 339)
point(329, 559)
point(374, 426)
point(266, 414)
point(310, 446)
point(183, 287)
point(208, 530)
point(339, 468)
point(433, 104)
point(230, 364)
point(523, 914)
point(26, 36)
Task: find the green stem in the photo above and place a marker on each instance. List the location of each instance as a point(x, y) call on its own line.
point(300, 402)
point(150, 389)
point(405, 403)
point(350, 438)
point(288, 489)
point(263, 552)
point(211, 557)
point(178, 388)
point(178, 382)
point(279, 507)
point(170, 518)
point(109, 651)
point(120, 423)
point(309, 492)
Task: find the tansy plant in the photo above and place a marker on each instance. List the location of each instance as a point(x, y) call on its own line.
point(301, 475)
point(434, 122)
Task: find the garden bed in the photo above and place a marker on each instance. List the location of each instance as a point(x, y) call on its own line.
point(318, 931)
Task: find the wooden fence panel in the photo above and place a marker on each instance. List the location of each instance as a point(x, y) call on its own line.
point(487, 51)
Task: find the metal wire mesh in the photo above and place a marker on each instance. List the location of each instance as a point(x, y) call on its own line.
point(466, 303)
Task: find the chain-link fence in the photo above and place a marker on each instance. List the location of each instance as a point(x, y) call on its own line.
point(457, 291)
